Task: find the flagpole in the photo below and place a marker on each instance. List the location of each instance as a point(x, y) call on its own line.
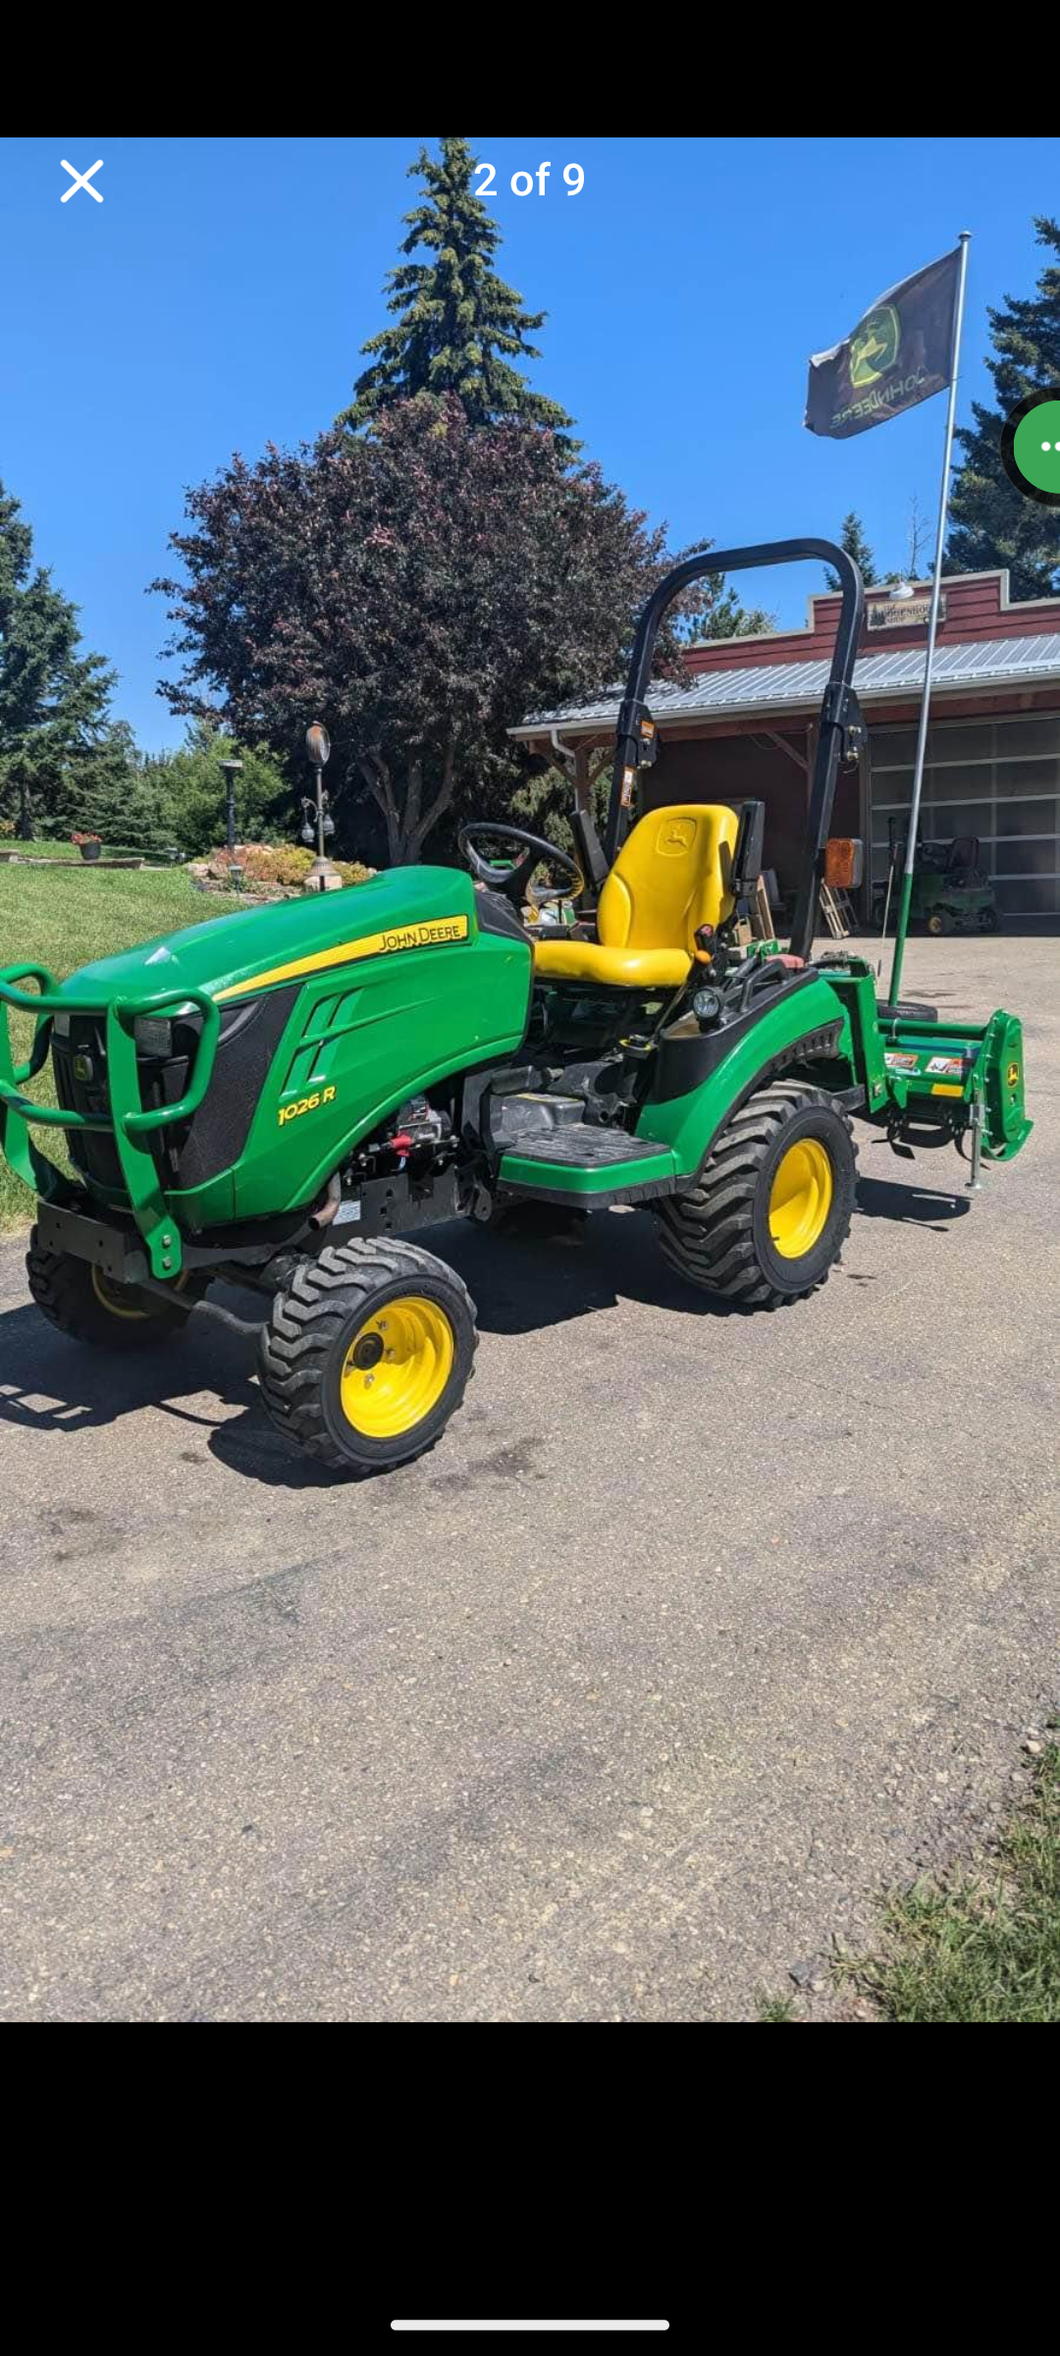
point(921, 742)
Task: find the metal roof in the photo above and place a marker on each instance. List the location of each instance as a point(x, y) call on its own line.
point(772, 687)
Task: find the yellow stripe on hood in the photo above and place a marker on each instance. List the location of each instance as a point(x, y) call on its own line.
point(434, 933)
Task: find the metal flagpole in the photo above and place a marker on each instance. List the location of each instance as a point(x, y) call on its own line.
point(921, 742)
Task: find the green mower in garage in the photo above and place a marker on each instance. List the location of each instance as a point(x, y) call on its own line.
point(282, 1097)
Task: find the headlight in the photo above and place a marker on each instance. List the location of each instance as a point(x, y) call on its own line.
point(153, 1035)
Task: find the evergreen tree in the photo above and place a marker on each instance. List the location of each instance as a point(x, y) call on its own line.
point(458, 326)
point(991, 522)
point(710, 609)
point(53, 699)
point(852, 538)
point(725, 617)
point(113, 793)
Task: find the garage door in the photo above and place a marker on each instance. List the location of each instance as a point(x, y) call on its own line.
point(998, 779)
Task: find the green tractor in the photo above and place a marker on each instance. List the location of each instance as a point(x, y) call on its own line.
point(950, 892)
point(283, 1097)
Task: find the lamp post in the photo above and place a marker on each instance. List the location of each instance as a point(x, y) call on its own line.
point(322, 876)
point(230, 769)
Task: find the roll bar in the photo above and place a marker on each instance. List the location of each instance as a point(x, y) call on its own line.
point(841, 730)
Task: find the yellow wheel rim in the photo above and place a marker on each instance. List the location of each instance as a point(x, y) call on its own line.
point(801, 1198)
point(397, 1367)
point(110, 1296)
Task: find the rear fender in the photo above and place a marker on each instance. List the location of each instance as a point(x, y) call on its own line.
point(690, 1123)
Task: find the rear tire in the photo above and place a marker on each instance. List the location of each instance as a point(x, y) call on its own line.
point(770, 1211)
point(940, 921)
point(79, 1300)
point(367, 1353)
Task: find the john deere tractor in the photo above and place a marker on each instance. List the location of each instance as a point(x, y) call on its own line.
point(284, 1097)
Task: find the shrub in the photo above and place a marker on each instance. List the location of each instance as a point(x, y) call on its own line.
point(282, 863)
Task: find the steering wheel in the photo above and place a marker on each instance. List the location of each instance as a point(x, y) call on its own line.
point(514, 881)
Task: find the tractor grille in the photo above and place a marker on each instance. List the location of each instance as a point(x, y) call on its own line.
point(91, 1152)
point(190, 1152)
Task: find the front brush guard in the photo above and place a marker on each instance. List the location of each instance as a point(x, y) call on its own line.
point(129, 1121)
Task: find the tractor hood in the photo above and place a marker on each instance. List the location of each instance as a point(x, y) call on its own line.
point(262, 948)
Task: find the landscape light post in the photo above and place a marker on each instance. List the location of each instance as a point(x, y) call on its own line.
point(322, 876)
point(230, 768)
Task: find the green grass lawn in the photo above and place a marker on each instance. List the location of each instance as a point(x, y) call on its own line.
point(64, 922)
point(981, 1946)
point(61, 849)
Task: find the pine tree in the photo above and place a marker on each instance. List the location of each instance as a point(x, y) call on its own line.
point(723, 616)
point(53, 698)
point(459, 327)
point(991, 522)
point(115, 795)
point(852, 538)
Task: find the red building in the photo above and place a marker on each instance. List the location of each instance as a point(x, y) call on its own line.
point(742, 725)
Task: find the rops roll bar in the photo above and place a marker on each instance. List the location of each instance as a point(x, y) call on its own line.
point(841, 730)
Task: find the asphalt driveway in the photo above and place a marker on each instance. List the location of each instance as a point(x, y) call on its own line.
point(620, 1705)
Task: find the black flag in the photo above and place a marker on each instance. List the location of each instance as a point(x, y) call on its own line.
point(900, 353)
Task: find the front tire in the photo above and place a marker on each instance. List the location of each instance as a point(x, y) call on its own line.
point(76, 1297)
point(367, 1353)
point(769, 1214)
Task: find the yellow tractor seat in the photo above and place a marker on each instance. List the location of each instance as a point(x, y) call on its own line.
point(671, 876)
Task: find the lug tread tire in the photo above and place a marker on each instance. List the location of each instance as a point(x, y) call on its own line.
point(307, 1318)
point(61, 1286)
point(707, 1233)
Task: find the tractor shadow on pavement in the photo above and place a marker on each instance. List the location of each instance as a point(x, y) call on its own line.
point(525, 1279)
point(916, 1206)
point(51, 1385)
point(522, 1282)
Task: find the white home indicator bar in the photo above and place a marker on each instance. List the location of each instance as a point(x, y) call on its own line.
point(579, 2326)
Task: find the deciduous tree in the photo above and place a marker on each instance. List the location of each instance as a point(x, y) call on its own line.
point(418, 589)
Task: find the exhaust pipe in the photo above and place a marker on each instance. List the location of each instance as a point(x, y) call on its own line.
point(330, 1204)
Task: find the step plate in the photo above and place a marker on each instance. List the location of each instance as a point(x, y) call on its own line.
point(588, 1149)
point(591, 1169)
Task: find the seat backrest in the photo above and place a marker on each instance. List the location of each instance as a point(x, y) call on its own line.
point(670, 876)
point(962, 858)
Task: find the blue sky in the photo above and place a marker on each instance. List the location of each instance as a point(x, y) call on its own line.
point(219, 296)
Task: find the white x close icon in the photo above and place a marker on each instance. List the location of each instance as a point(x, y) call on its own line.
point(80, 180)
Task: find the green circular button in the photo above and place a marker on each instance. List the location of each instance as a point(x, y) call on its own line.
point(1030, 447)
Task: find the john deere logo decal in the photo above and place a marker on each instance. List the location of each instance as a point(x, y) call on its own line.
point(435, 932)
point(1012, 1074)
point(874, 345)
point(900, 352)
point(671, 840)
